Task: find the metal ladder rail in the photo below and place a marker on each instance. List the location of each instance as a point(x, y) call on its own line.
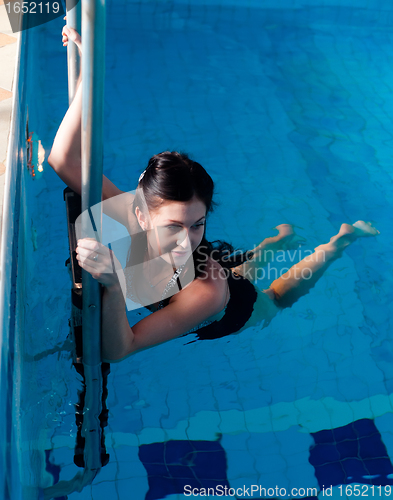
point(74, 20)
point(93, 70)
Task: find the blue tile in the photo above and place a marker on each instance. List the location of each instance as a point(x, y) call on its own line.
point(345, 432)
point(354, 468)
point(153, 453)
point(365, 427)
point(160, 487)
point(372, 447)
point(330, 474)
point(171, 465)
point(175, 452)
point(381, 466)
point(181, 472)
point(348, 448)
point(323, 453)
point(358, 453)
point(325, 436)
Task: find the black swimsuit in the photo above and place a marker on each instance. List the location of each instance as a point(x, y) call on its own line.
point(237, 312)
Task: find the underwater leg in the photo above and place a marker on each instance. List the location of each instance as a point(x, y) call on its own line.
point(303, 276)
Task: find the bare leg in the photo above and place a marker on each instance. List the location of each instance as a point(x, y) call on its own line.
point(265, 251)
point(303, 276)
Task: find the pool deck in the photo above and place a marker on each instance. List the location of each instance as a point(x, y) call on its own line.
point(8, 48)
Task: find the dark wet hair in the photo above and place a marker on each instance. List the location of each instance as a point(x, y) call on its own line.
point(172, 176)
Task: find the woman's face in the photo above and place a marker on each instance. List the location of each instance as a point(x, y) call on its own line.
point(176, 230)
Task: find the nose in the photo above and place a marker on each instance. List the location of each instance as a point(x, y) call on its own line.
point(183, 239)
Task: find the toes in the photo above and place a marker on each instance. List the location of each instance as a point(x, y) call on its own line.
point(363, 228)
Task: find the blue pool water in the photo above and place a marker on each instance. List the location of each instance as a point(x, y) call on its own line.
point(288, 106)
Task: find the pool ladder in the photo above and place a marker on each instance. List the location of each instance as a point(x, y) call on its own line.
point(73, 207)
point(94, 395)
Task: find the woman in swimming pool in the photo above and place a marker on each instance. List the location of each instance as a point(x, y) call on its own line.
point(177, 273)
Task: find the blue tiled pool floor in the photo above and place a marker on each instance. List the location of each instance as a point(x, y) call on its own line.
point(289, 108)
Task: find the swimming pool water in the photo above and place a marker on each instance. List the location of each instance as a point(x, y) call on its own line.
point(289, 107)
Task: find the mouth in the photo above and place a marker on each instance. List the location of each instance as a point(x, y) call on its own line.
point(180, 253)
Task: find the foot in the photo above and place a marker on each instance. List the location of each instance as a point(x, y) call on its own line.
point(350, 232)
point(289, 239)
point(365, 229)
point(357, 230)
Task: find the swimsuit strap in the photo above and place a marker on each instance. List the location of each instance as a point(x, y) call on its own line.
point(171, 284)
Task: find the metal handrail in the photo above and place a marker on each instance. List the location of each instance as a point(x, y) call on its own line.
point(93, 70)
point(74, 20)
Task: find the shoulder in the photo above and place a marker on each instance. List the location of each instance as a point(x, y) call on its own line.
point(209, 292)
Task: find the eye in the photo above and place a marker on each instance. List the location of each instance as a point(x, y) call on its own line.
point(197, 226)
point(173, 228)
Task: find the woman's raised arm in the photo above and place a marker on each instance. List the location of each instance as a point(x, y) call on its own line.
point(65, 156)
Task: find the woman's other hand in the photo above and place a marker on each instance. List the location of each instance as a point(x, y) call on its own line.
point(71, 34)
point(99, 261)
